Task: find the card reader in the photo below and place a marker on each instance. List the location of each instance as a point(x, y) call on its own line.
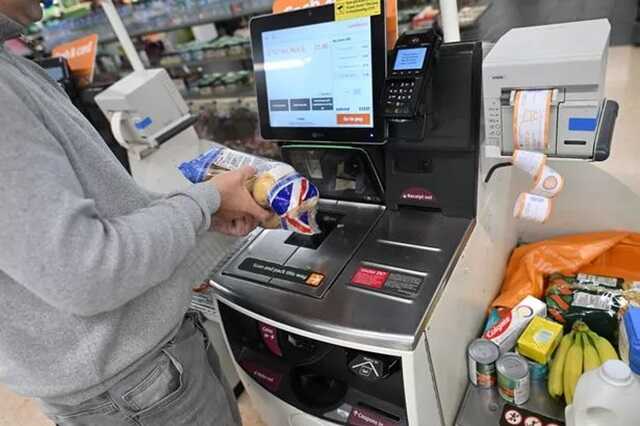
point(409, 73)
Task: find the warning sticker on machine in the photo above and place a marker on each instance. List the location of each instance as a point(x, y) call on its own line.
point(517, 416)
point(404, 284)
point(287, 273)
point(351, 9)
point(369, 277)
point(363, 417)
point(395, 283)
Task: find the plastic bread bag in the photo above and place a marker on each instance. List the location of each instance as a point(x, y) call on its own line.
point(276, 186)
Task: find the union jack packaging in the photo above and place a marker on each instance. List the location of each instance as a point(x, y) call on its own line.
point(276, 186)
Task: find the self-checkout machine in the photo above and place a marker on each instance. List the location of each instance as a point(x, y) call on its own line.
point(360, 325)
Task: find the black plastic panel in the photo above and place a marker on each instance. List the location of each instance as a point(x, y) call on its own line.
point(605, 135)
point(313, 376)
point(433, 162)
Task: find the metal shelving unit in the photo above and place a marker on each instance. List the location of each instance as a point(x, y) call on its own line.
point(152, 17)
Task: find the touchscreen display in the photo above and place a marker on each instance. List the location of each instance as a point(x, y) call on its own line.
point(320, 75)
point(410, 59)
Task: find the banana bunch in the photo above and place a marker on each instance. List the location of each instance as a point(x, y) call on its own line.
point(579, 351)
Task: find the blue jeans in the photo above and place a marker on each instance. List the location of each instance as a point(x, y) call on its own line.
point(181, 385)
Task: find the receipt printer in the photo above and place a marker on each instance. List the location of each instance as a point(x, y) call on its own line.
point(570, 59)
point(145, 110)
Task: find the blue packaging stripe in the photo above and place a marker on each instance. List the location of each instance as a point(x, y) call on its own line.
point(632, 326)
point(280, 196)
point(282, 201)
point(312, 192)
point(583, 124)
point(196, 169)
point(281, 184)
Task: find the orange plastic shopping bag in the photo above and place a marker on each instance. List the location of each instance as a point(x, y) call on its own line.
point(614, 253)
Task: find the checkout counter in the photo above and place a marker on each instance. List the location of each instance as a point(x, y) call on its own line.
point(368, 322)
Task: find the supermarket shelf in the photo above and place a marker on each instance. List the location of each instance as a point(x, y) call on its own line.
point(105, 33)
point(242, 92)
point(189, 24)
point(206, 61)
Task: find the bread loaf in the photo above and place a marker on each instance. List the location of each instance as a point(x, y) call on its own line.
point(276, 186)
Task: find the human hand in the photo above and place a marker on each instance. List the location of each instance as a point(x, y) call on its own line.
point(239, 213)
point(233, 224)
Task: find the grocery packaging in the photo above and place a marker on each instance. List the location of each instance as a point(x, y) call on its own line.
point(614, 253)
point(629, 343)
point(513, 378)
point(540, 339)
point(580, 351)
point(277, 186)
point(505, 332)
point(482, 356)
point(595, 300)
point(606, 396)
point(600, 281)
point(537, 371)
point(495, 315)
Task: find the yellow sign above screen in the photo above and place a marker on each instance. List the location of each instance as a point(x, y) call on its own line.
point(351, 9)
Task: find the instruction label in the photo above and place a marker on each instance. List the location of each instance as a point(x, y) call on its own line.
point(395, 283)
point(286, 273)
point(351, 9)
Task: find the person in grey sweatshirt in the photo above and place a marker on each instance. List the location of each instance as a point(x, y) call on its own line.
point(95, 272)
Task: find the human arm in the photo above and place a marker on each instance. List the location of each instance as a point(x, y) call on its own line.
point(55, 242)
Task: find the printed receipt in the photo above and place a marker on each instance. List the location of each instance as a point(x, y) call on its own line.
point(531, 117)
point(531, 121)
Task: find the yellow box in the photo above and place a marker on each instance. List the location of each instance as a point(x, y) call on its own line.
point(540, 339)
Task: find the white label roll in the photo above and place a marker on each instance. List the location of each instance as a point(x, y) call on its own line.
point(530, 162)
point(548, 184)
point(533, 207)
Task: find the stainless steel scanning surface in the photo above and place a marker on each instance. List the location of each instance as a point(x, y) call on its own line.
point(338, 309)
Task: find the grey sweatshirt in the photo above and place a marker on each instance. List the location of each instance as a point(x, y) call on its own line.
point(95, 272)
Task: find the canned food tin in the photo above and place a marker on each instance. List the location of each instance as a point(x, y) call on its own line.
point(513, 378)
point(483, 354)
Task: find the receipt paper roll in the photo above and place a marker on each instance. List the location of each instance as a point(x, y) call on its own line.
point(533, 207)
point(548, 184)
point(531, 117)
point(529, 162)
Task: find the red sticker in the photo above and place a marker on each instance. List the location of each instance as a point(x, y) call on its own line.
point(266, 377)
point(369, 277)
point(270, 338)
point(362, 417)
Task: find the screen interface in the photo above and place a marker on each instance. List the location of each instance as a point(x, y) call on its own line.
point(410, 59)
point(320, 75)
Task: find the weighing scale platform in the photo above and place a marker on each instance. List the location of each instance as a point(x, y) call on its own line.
point(371, 261)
